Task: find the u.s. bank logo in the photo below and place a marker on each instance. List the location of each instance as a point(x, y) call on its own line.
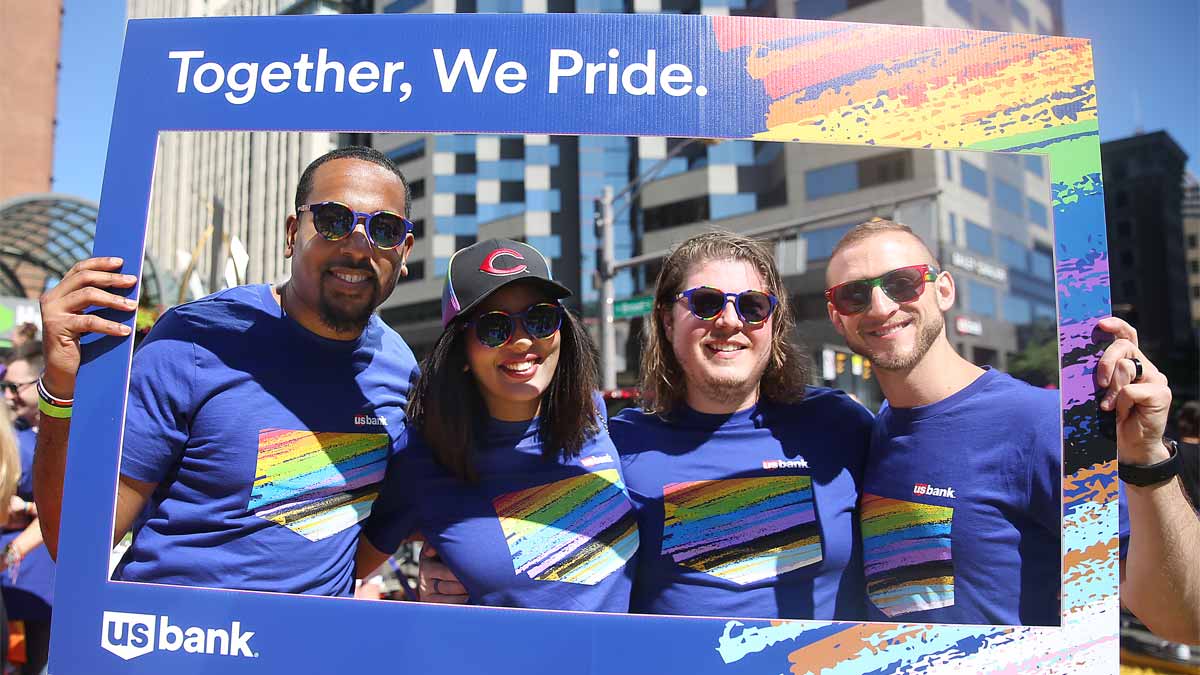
point(131, 635)
point(128, 635)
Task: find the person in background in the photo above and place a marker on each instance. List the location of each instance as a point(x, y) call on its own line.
point(27, 576)
point(1187, 426)
point(10, 473)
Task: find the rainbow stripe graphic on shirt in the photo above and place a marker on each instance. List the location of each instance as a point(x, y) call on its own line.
point(317, 484)
point(743, 530)
point(578, 530)
point(906, 547)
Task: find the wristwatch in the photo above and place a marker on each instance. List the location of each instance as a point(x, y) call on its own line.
point(1151, 474)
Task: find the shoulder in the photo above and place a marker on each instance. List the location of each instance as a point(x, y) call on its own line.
point(230, 310)
point(631, 428)
point(1021, 402)
point(831, 406)
point(395, 351)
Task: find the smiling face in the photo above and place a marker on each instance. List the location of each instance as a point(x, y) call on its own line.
point(722, 359)
point(335, 285)
point(513, 377)
point(24, 401)
point(894, 336)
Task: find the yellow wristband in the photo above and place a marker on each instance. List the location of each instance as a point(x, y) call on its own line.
point(50, 410)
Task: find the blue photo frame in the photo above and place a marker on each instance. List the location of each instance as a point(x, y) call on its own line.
point(717, 77)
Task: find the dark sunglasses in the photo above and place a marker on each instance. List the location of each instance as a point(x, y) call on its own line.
point(902, 285)
point(496, 328)
point(334, 220)
point(14, 388)
point(706, 303)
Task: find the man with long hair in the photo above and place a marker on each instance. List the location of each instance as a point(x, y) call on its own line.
point(961, 505)
point(745, 479)
point(260, 418)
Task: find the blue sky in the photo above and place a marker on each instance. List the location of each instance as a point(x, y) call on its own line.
point(1147, 72)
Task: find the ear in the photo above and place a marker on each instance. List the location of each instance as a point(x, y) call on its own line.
point(944, 285)
point(405, 250)
point(836, 319)
point(293, 225)
point(668, 323)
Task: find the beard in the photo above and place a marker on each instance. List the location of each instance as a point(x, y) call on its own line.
point(727, 388)
point(927, 333)
point(345, 317)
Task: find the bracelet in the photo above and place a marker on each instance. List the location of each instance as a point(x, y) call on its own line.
point(12, 561)
point(51, 398)
point(51, 405)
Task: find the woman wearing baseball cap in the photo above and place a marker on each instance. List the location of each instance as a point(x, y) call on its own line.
point(509, 471)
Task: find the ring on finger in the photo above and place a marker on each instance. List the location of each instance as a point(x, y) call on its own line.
point(1137, 368)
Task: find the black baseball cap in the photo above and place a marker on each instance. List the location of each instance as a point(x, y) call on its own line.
point(481, 269)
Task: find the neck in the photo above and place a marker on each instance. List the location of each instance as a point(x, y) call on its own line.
point(710, 406)
point(308, 317)
point(938, 375)
point(513, 411)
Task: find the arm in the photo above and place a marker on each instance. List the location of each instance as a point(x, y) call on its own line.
point(368, 559)
point(436, 583)
point(1160, 581)
point(64, 319)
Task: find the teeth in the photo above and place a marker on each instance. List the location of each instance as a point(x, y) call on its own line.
point(521, 367)
point(350, 278)
point(882, 332)
point(725, 347)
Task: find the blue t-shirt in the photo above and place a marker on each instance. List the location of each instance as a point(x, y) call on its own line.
point(31, 596)
point(267, 443)
point(751, 514)
point(961, 512)
point(531, 533)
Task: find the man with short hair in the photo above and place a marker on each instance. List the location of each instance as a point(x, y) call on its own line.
point(260, 418)
point(960, 512)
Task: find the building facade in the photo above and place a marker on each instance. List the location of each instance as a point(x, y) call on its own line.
point(30, 33)
point(1144, 203)
point(1191, 234)
point(987, 216)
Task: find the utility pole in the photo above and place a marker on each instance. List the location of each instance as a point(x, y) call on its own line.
point(605, 252)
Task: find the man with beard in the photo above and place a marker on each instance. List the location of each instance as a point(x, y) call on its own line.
point(260, 419)
point(961, 505)
point(744, 479)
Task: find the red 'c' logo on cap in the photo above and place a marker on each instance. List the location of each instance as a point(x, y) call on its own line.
point(489, 263)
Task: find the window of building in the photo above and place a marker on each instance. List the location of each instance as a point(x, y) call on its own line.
point(979, 238)
point(1196, 291)
point(1192, 241)
point(1035, 164)
point(1017, 310)
point(1195, 266)
point(1020, 13)
point(407, 152)
point(465, 164)
point(864, 173)
point(401, 6)
point(1037, 213)
point(1124, 228)
point(1041, 263)
point(1127, 258)
point(416, 188)
point(823, 9)
point(512, 191)
point(1009, 197)
point(512, 148)
point(676, 213)
point(464, 204)
point(462, 241)
point(973, 177)
point(820, 242)
point(962, 8)
point(1130, 288)
point(418, 230)
point(982, 298)
point(1013, 254)
point(1122, 199)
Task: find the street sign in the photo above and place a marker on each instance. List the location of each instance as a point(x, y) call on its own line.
point(631, 307)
